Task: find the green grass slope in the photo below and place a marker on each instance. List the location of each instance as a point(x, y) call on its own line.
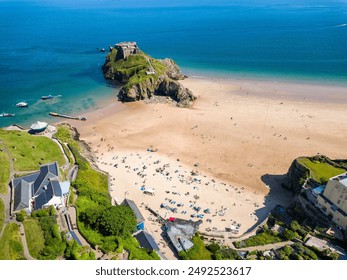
point(11, 247)
point(320, 171)
point(4, 170)
point(30, 151)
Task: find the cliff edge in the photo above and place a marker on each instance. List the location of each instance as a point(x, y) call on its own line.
point(144, 77)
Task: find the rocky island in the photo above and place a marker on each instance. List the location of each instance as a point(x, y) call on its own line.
point(144, 77)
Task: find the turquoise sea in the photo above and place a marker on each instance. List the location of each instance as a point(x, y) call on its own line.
point(50, 47)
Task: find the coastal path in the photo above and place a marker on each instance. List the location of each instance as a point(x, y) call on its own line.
point(267, 247)
point(24, 242)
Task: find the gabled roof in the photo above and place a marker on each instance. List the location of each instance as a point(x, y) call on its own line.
point(132, 205)
point(56, 187)
point(22, 195)
point(40, 201)
point(146, 241)
point(27, 178)
point(42, 185)
point(180, 232)
point(47, 171)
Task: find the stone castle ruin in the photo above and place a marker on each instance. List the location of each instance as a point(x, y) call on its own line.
point(126, 49)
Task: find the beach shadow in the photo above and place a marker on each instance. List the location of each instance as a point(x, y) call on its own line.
point(277, 195)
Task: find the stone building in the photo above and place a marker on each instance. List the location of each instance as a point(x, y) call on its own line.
point(333, 201)
point(125, 49)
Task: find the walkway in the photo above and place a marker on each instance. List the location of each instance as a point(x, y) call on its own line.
point(24, 242)
point(267, 247)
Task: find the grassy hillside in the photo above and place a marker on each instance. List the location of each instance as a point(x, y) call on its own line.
point(133, 69)
point(29, 151)
point(34, 237)
point(92, 193)
point(4, 170)
point(11, 247)
point(320, 171)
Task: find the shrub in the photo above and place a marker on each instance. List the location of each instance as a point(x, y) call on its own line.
point(20, 217)
point(213, 247)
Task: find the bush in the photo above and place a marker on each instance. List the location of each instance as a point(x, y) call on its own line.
point(289, 234)
point(213, 247)
point(266, 237)
point(20, 217)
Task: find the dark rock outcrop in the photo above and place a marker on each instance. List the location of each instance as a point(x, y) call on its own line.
point(295, 177)
point(144, 77)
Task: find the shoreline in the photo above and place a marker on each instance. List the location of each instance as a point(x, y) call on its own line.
point(239, 138)
point(241, 145)
point(264, 94)
point(299, 90)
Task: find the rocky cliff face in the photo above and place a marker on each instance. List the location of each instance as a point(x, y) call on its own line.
point(295, 177)
point(144, 78)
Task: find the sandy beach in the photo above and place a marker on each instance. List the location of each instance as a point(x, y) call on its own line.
point(228, 152)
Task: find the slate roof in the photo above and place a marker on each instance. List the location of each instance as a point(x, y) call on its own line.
point(47, 171)
point(146, 241)
point(22, 195)
point(132, 205)
point(40, 201)
point(42, 185)
point(27, 178)
point(180, 232)
point(56, 187)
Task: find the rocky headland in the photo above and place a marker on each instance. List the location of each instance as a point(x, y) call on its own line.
point(145, 78)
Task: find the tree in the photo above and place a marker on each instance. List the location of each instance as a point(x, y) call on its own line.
point(116, 220)
point(295, 225)
point(289, 234)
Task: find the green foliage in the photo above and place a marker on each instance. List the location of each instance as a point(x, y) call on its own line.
point(20, 217)
point(320, 171)
point(92, 204)
point(133, 69)
point(54, 244)
point(63, 134)
point(266, 237)
point(34, 237)
point(112, 244)
point(295, 225)
point(71, 196)
point(197, 252)
point(304, 252)
point(226, 253)
point(11, 247)
point(136, 253)
point(213, 248)
point(4, 170)
point(114, 220)
point(286, 253)
point(2, 213)
point(74, 251)
point(289, 234)
point(30, 151)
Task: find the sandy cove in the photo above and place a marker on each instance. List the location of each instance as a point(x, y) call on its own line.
point(241, 134)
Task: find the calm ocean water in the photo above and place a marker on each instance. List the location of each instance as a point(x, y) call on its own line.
point(52, 49)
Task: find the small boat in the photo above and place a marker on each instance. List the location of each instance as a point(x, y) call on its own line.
point(102, 50)
point(7, 115)
point(22, 104)
point(46, 97)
